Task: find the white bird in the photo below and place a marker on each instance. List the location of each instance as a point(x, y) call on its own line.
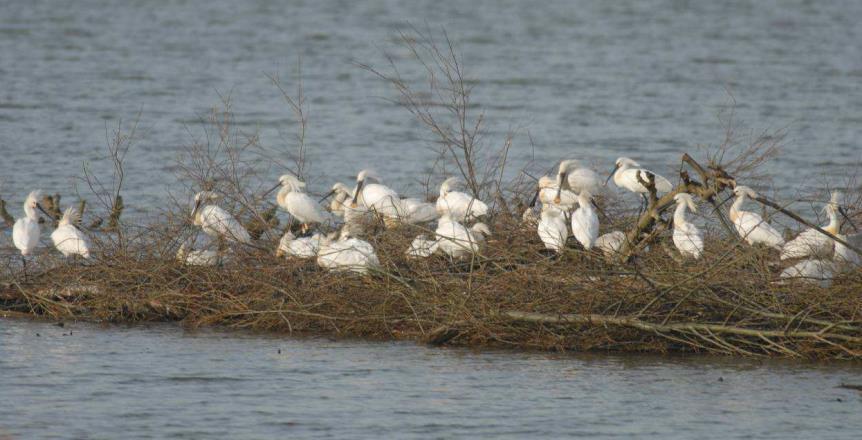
point(297, 203)
point(377, 197)
point(611, 243)
point(811, 271)
point(455, 240)
point(552, 228)
point(303, 247)
point(811, 242)
point(422, 247)
point(751, 226)
point(215, 221)
point(457, 205)
point(26, 231)
point(578, 178)
point(585, 222)
point(198, 257)
point(845, 257)
point(347, 254)
point(417, 211)
point(625, 175)
point(686, 236)
point(68, 239)
point(340, 200)
point(550, 193)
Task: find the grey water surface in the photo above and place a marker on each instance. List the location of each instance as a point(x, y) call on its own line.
point(86, 381)
point(589, 80)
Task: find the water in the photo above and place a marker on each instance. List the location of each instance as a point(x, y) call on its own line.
point(161, 382)
point(591, 80)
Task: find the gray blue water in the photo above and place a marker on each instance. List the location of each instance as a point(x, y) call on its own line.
point(590, 80)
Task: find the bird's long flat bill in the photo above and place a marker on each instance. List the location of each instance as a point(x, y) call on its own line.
point(561, 178)
point(39, 206)
point(328, 195)
point(535, 197)
point(195, 209)
point(359, 184)
point(844, 213)
point(272, 189)
point(613, 171)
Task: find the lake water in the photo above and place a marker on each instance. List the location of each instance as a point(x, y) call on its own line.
point(590, 80)
point(86, 381)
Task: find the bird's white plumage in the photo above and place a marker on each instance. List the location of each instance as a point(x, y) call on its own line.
point(216, 222)
point(611, 243)
point(845, 257)
point(456, 240)
point(626, 176)
point(341, 196)
point(457, 205)
point(198, 257)
point(548, 191)
point(68, 239)
point(26, 230)
point(810, 271)
point(417, 211)
point(686, 236)
point(580, 178)
point(297, 203)
point(303, 247)
point(552, 228)
point(585, 222)
point(812, 242)
point(347, 255)
point(751, 226)
point(422, 247)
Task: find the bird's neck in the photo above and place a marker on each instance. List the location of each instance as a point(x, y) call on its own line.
point(735, 208)
point(832, 227)
point(679, 214)
point(282, 194)
point(30, 212)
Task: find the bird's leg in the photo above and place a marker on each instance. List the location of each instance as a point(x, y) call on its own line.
point(644, 205)
point(303, 228)
point(24, 265)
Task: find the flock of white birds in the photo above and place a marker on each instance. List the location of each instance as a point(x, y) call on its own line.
point(566, 210)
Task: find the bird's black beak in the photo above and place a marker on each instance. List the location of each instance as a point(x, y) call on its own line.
point(613, 171)
point(359, 184)
point(328, 195)
point(272, 189)
point(195, 209)
point(39, 206)
point(844, 214)
point(535, 198)
point(562, 181)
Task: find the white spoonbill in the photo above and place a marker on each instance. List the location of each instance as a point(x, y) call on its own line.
point(552, 228)
point(302, 247)
point(455, 240)
point(341, 198)
point(611, 243)
point(215, 221)
point(347, 254)
point(68, 239)
point(457, 205)
point(686, 237)
point(422, 247)
point(198, 257)
point(810, 271)
point(811, 242)
point(26, 231)
point(417, 211)
point(625, 175)
point(376, 197)
point(297, 203)
point(578, 178)
point(550, 193)
point(585, 221)
point(751, 226)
